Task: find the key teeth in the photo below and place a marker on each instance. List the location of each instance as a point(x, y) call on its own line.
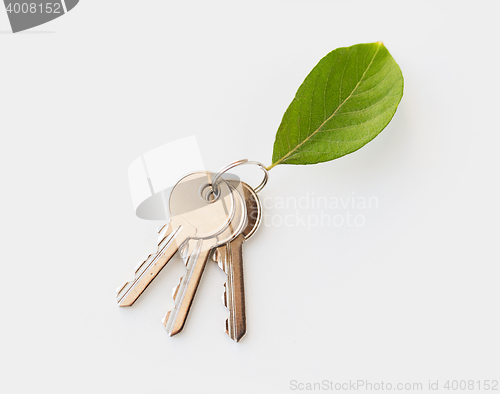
point(165, 319)
point(162, 230)
point(224, 301)
point(119, 289)
point(238, 334)
point(224, 295)
point(227, 328)
point(140, 264)
point(176, 288)
point(120, 295)
point(170, 331)
point(137, 268)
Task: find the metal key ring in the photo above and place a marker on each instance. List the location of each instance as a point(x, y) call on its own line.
point(239, 163)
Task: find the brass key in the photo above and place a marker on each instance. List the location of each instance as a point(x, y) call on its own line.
point(229, 257)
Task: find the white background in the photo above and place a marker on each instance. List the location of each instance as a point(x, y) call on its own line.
point(411, 296)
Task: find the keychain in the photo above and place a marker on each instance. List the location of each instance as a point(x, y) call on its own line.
point(346, 100)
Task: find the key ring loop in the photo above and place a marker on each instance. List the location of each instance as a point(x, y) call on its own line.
point(239, 163)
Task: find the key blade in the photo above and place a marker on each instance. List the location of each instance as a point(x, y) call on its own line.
point(229, 257)
point(185, 291)
point(175, 235)
point(199, 252)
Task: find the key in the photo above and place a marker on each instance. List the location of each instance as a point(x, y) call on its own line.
point(199, 251)
point(191, 216)
point(230, 259)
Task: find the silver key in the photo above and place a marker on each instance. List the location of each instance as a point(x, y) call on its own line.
point(230, 260)
point(191, 216)
point(199, 252)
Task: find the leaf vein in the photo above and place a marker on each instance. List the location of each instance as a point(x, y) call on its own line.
point(292, 152)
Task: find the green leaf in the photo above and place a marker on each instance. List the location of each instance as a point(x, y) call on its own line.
point(344, 102)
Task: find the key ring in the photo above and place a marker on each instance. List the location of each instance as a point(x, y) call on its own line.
point(239, 163)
